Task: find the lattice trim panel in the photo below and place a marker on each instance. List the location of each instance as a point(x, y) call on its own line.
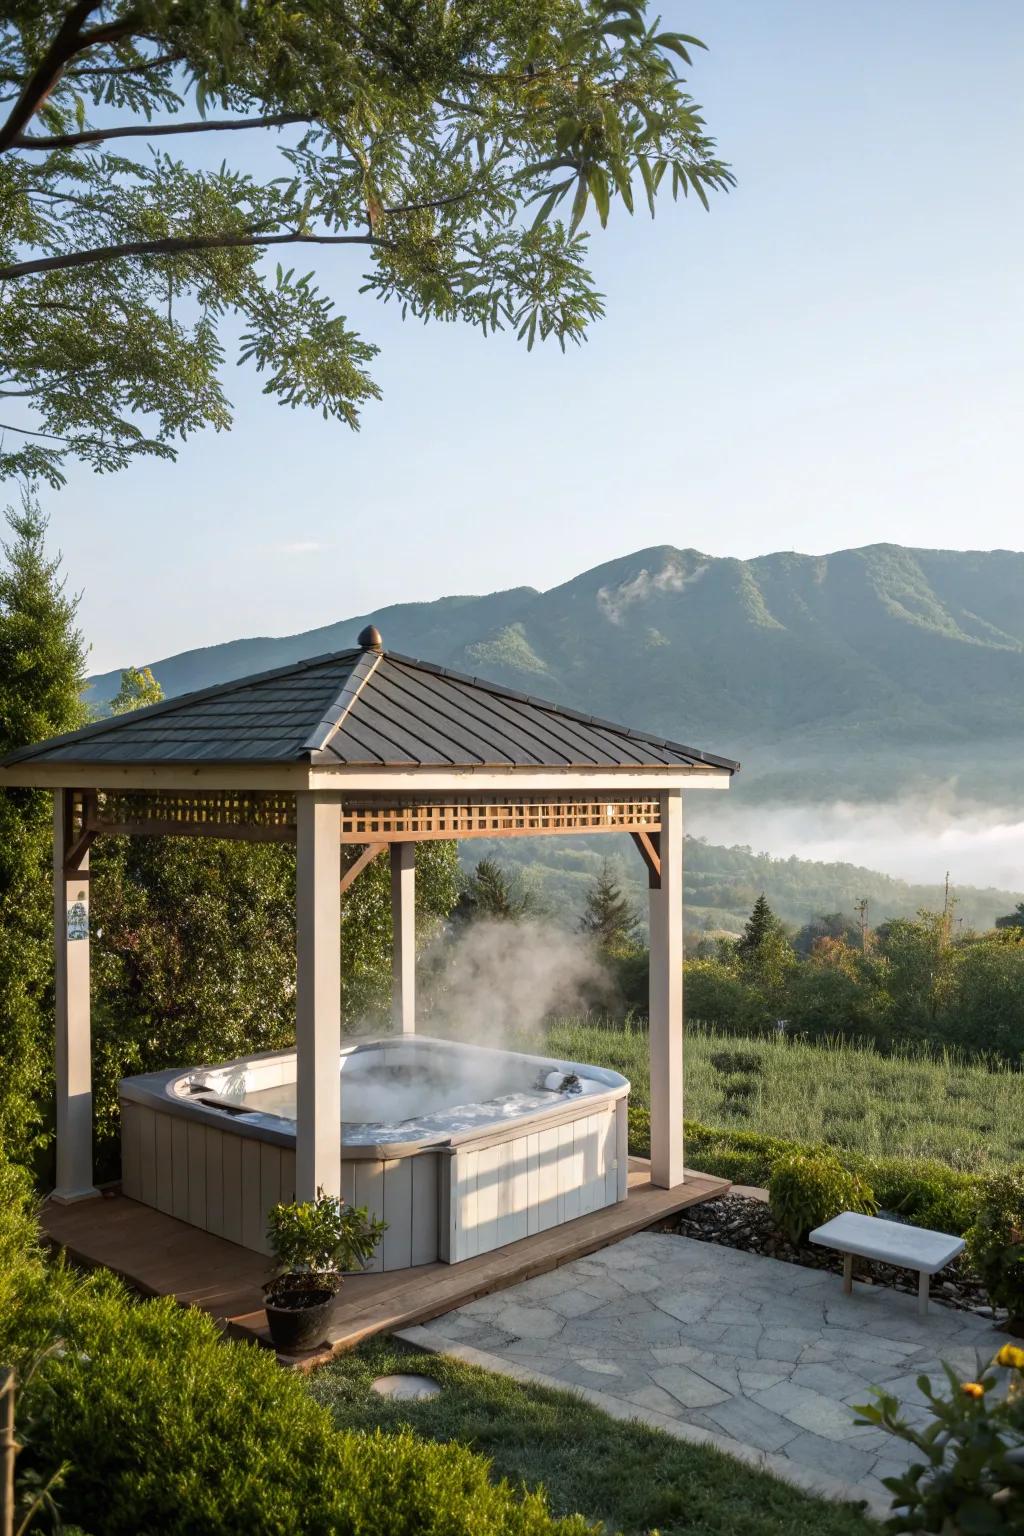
point(266, 817)
point(255, 817)
point(495, 816)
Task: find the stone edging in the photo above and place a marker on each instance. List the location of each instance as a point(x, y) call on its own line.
point(808, 1481)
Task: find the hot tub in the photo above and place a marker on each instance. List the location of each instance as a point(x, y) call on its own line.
point(459, 1148)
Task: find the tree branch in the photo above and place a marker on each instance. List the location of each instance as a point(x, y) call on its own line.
point(148, 130)
point(433, 202)
point(140, 68)
point(175, 245)
point(69, 41)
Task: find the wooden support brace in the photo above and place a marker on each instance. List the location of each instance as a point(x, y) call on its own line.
point(355, 870)
point(649, 844)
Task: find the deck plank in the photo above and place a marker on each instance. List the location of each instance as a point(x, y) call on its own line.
point(161, 1256)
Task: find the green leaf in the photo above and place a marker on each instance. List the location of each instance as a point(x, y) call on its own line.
point(645, 171)
point(579, 203)
point(599, 187)
point(977, 1517)
point(567, 130)
point(546, 206)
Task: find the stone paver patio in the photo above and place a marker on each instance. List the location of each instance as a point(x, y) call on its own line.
point(754, 1352)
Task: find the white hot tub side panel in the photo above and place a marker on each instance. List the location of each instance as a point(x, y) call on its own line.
point(449, 1203)
point(497, 1190)
point(226, 1183)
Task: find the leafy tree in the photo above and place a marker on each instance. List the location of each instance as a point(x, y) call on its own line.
point(455, 148)
point(985, 1011)
point(717, 996)
point(139, 689)
point(609, 917)
point(489, 892)
point(828, 995)
point(1015, 919)
point(366, 930)
point(830, 925)
point(42, 667)
point(912, 973)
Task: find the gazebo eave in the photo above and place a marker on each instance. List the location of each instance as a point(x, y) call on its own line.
point(294, 777)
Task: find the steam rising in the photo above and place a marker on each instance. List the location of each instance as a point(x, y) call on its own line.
point(496, 981)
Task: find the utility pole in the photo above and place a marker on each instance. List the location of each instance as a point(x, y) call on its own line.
point(861, 910)
point(948, 903)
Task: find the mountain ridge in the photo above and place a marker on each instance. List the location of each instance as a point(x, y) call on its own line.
point(883, 663)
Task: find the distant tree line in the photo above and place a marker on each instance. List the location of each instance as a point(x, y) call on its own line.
point(906, 980)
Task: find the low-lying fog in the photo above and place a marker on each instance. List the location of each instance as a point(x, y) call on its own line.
point(914, 840)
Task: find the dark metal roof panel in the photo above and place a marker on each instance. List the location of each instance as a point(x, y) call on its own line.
point(366, 709)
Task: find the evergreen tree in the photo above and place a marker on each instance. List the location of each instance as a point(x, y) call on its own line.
point(609, 917)
point(764, 952)
point(42, 666)
point(490, 893)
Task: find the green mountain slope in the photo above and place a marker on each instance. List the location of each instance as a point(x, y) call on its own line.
point(865, 672)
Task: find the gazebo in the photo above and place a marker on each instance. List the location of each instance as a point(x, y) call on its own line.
point(362, 748)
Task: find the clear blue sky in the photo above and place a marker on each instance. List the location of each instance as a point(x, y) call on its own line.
point(832, 357)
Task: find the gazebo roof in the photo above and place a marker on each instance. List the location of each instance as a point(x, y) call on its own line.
point(364, 708)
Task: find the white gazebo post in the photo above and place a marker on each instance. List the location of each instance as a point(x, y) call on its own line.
point(666, 998)
point(403, 924)
point(73, 1047)
point(318, 995)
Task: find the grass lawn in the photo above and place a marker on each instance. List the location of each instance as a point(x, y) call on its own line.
point(849, 1096)
point(637, 1480)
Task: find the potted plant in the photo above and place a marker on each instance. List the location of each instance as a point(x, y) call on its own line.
point(314, 1242)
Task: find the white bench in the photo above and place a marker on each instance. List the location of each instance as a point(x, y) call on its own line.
point(889, 1242)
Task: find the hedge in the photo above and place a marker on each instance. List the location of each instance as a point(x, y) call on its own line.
point(170, 1428)
point(926, 1192)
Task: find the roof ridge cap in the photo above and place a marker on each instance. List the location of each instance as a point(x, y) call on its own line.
point(167, 706)
point(363, 669)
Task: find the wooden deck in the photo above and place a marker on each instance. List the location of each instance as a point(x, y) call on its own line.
point(161, 1256)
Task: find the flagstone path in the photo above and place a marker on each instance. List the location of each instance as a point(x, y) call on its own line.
point(754, 1352)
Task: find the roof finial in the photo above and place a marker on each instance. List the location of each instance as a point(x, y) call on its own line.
point(370, 640)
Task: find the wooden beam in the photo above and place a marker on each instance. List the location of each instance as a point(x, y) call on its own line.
point(73, 1071)
point(228, 833)
point(666, 1001)
point(318, 1000)
point(649, 844)
point(444, 835)
point(403, 930)
point(289, 777)
point(355, 870)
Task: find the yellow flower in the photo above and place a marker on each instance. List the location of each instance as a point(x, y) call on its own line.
point(972, 1389)
point(1012, 1356)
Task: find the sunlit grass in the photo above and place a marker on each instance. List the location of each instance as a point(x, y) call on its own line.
point(637, 1480)
point(908, 1104)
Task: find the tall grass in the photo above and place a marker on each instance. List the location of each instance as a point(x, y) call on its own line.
point(908, 1103)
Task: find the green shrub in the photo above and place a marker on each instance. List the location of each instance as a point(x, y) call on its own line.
point(322, 1236)
point(807, 1189)
point(995, 1244)
point(968, 1475)
point(922, 1191)
point(169, 1428)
